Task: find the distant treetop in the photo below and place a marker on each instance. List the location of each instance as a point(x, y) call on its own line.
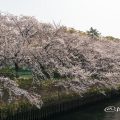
point(93, 33)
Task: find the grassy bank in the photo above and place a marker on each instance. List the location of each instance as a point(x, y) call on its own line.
point(55, 101)
point(53, 106)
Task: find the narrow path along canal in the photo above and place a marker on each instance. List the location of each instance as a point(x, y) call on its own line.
point(95, 111)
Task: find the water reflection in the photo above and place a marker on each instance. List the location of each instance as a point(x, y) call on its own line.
point(94, 112)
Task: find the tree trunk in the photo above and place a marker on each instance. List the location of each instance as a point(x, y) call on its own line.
point(16, 69)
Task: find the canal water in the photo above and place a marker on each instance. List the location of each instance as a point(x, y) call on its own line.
point(95, 111)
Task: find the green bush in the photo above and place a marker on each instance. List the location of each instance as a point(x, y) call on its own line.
point(7, 72)
point(10, 72)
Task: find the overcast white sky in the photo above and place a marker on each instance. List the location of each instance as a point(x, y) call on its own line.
point(80, 14)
